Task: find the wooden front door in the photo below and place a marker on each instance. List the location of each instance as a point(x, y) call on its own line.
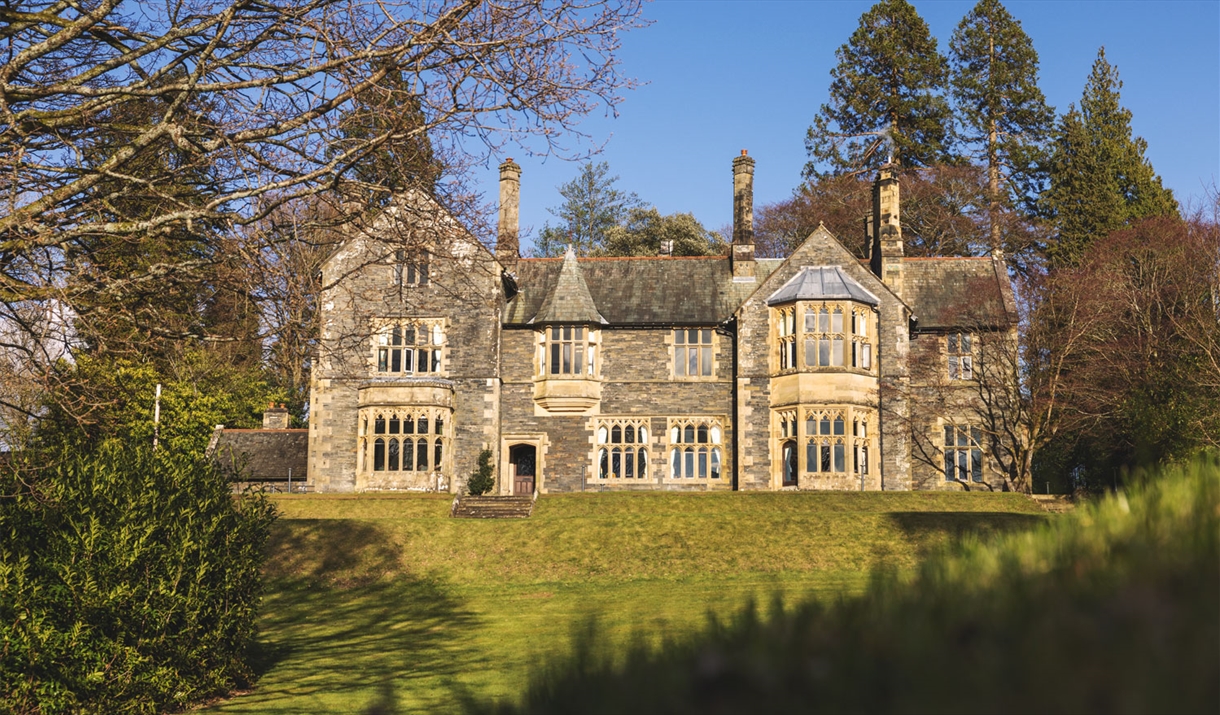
point(523, 461)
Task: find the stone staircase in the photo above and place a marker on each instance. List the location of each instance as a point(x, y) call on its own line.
point(1055, 503)
point(487, 507)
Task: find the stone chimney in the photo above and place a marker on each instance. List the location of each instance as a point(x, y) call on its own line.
point(275, 417)
point(508, 246)
point(885, 258)
point(743, 218)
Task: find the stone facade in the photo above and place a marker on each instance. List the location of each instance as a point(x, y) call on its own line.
point(658, 373)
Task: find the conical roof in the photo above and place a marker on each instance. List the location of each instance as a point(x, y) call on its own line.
point(822, 283)
point(569, 300)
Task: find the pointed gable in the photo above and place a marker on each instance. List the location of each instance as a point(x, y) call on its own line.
point(569, 300)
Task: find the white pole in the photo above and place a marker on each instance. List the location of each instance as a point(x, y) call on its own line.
point(157, 417)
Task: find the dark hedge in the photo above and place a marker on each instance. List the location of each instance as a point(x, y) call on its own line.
point(129, 582)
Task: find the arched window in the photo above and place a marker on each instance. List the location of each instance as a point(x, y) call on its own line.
point(421, 454)
point(379, 455)
point(693, 456)
point(408, 456)
point(626, 457)
point(393, 460)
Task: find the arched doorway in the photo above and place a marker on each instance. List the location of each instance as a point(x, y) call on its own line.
point(523, 461)
point(789, 456)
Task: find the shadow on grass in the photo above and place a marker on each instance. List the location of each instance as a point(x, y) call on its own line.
point(359, 637)
point(931, 530)
point(343, 553)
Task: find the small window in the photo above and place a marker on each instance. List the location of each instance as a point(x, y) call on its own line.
point(692, 353)
point(961, 359)
point(963, 454)
point(411, 268)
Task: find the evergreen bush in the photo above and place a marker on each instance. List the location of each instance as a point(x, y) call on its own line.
point(130, 582)
point(482, 480)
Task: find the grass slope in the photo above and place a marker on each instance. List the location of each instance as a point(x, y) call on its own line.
point(384, 604)
point(1114, 608)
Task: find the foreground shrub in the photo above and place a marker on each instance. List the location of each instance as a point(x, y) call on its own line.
point(129, 582)
point(1113, 608)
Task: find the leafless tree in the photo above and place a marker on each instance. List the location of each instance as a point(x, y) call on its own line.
point(1016, 392)
point(140, 145)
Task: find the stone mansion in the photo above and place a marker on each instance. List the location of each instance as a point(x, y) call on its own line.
point(661, 372)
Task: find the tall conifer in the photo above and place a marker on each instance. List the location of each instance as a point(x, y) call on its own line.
point(887, 95)
point(1100, 178)
point(1003, 113)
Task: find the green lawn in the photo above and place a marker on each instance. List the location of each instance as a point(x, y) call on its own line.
point(384, 604)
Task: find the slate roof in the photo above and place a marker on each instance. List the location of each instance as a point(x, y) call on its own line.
point(261, 454)
point(669, 290)
point(568, 300)
point(822, 283)
point(940, 290)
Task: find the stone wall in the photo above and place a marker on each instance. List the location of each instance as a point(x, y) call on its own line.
point(636, 374)
point(362, 291)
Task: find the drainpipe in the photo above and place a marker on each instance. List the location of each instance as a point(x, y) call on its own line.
point(880, 411)
point(729, 328)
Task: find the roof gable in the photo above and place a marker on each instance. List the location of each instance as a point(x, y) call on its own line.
point(823, 249)
point(951, 292)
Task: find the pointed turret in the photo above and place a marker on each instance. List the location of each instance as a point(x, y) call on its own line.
point(569, 300)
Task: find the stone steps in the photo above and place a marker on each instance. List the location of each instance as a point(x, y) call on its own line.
point(485, 507)
point(1055, 503)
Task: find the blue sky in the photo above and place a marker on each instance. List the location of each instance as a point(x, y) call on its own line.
point(724, 76)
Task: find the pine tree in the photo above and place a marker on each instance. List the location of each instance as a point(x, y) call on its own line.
point(994, 80)
point(1100, 178)
point(887, 95)
point(591, 207)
